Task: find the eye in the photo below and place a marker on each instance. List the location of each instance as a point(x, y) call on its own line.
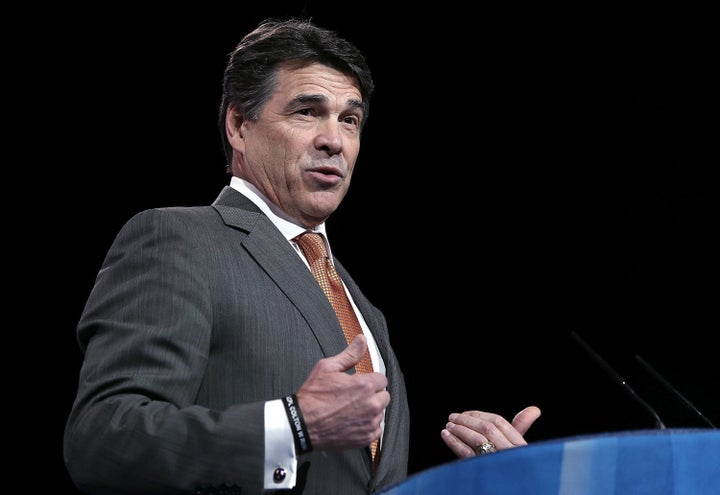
point(304, 111)
point(352, 120)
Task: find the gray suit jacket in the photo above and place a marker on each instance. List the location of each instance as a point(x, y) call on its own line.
point(198, 316)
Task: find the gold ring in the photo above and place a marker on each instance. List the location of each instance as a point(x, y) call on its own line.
point(485, 448)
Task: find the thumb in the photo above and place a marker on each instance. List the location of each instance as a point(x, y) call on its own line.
point(351, 355)
point(525, 418)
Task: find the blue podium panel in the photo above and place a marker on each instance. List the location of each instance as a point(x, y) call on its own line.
point(646, 462)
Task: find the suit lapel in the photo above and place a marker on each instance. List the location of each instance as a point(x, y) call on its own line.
point(278, 259)
point(275, 255)
point(394, 412)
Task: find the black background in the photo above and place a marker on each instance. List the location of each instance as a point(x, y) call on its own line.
point(563, 156)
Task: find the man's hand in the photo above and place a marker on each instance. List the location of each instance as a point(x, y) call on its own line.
point(466, 432)
point(343, 411)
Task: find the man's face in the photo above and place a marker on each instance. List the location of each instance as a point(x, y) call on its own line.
point(301, 151)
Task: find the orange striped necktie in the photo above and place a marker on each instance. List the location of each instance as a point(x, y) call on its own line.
point(313, 247)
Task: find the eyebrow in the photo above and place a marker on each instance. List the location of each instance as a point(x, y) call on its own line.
point(317, 98)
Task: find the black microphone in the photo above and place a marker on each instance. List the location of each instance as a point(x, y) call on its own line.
point(618, 379)
point(674, 391)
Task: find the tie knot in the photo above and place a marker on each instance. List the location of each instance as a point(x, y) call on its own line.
point(312, 246)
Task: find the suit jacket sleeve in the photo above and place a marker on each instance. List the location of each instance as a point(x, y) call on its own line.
point(146, 334)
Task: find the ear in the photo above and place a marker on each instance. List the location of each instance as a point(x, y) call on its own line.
point(233, 129)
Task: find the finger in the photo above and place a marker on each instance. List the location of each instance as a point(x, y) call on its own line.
point(458, 446)
point(350, 356)
point(525, 418)
point(493, 427)
point(465, 441)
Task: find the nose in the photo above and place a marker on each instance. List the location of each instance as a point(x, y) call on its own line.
point(329, 137)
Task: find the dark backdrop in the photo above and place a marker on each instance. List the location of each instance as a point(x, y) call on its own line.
point(563, 157)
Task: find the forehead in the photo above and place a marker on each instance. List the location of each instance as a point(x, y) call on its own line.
point(316, 79)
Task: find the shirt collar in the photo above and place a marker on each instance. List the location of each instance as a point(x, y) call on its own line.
point(286, 225)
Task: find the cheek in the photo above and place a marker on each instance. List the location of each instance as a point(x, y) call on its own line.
point(282, 150)
point(351, 152)
point(267, 156)
point(351, 166)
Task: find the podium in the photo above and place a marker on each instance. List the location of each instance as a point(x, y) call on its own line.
point(643, 462)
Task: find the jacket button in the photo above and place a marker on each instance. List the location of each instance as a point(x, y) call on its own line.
point(279, 475)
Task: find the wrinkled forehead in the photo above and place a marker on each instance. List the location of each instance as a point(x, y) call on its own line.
point(318, 82)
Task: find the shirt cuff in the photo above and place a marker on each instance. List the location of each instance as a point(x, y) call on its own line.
point(280, 460)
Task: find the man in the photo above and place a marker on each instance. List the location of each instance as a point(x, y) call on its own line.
point(213, 360)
